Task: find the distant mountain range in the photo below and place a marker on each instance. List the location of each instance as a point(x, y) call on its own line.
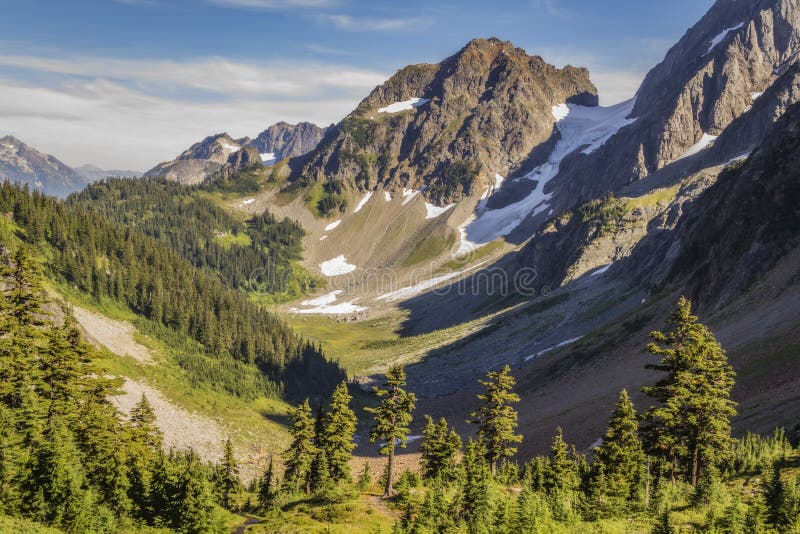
point(24, 164)
point(221, 153)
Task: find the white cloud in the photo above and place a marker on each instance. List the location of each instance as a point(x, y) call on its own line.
point(134, 114)
point(350, 23)
point(217, 75)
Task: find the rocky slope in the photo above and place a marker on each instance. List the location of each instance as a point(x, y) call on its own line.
point(21, 163)
point(220, 153)
point(283, 140)
point(706, 81)
point(448, 128)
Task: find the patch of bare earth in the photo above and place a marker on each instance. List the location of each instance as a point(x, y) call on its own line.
point(116, 336)
point(181, 429)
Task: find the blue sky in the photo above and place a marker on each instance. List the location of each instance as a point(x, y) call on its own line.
point(129, 83)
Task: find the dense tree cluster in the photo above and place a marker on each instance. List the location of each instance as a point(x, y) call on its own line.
point(108, 260)
point(66, 458)
point(203, 232)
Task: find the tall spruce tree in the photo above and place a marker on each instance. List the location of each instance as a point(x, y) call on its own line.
point(496, 418)
point(618, 461)
point(268, 488)
point(690, 427)
point(391, 418)
point(339, 425)
point(301, 451)
point(228, 483)
point(439, 448)
point(475, 500)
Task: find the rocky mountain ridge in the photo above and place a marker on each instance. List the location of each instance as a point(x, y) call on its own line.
point(22, 163)
point(219, 153)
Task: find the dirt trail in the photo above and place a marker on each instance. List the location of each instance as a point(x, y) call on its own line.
point(181, 429)
point(116, 336)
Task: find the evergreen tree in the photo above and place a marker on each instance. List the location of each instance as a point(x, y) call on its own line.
point(391, 418)
point(228, 483)
point(563, 472)
point(619, 459)
point(337, 435)
point(475, 502)
point(143, 425)
point(690, 427)
point(496, 418)
point(440, 445)
point(268, 491)
point(301, 451)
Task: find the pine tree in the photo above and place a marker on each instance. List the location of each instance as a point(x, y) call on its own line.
point(143, 425)
point(563, 472)
point(690, 427)
point(301, 451)
point(440, 445)
point(475, 500)
point(268, 489)
point(391, 418)
point(228, 483)
point(496, 419)
point(337, 436)
point(620, 456)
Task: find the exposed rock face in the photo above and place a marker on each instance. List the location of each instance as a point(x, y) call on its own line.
point(241, 159)
point(213, 154)
point(707, 80)
point(288, 140)
point(23, 164)
point(199, 161)
point(480, 112)
point(738, 229)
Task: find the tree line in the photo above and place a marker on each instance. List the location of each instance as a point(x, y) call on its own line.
point(198, 229)
point(89, 252)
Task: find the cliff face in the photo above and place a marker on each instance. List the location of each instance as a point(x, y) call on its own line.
point(738, 229)
point(221, 153)
point(21, 163)
point(284, 140)
point(446, 129)
point(708, 79)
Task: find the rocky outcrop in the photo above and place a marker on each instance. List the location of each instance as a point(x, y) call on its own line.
point(26, 165)
point(284, 140)
point(221, 153)
point(240, 160)
point(448, 128)
point(738, 229)
point(705, 82)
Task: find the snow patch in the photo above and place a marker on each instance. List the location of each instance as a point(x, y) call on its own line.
point(581, 128)
point(433, 211)
point(363, 202)
point(560, 112)
point(554, 347)
point(267, 157)
point(336, 266)
point(408, 195)
point(325, 305)
point(704, 142)
point(231, 148)
point(721, 36)
point(404, 105)
point(602, 269)
point(387, 196)
point(416, 289)
point(754, 96)
point(323, 238)
point(248, 201)
point(737, 158)
point(333, 225)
